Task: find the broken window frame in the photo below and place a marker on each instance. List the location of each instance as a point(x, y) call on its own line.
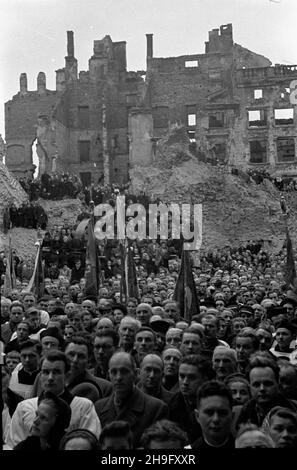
point(262, 122)
point(160, 117)
point(277, 120)
point(264, 160)
point(255, 93)
point(282, 160)
point(83, 118)
point(192, 136)
point(131, 99)
point(218, 125)
point(191, 115)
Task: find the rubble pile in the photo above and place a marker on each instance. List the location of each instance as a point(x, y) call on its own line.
point(235, 208)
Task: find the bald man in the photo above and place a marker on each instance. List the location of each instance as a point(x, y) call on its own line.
point(151, 374)
point(127, 402)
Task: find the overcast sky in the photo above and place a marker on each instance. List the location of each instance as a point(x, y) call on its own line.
point(33, 32)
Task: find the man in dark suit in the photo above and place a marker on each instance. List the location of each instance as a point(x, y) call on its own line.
point(127, 402)
point(150, 378)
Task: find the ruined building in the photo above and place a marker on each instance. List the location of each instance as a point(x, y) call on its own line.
point(102, 122)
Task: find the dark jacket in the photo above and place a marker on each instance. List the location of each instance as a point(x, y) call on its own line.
point(85, 385)
point(163, 394)
point(104, 387)
point(140, 411)
point(180, 413)
point(31, 443)
point(247, 413)
point(201, 444)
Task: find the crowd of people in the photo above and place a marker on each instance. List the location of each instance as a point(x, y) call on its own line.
point(109, 372)
point(53, 186)
point(286, 184)
point(27, 215)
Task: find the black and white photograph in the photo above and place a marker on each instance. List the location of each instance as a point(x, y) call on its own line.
point(148, 230)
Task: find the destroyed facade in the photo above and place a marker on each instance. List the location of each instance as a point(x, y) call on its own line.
point(100, 123)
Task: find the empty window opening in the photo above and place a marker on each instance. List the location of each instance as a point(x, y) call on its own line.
point(257, 118)
point(191, 119)
point(191, 115)
point(285, 149)
point(258, 151)
point(160, 117)
point(283, 117)
point(219, 150)
point(193, 143)
point(191, 63)
point(84, 150)
point(131, 100)
point(192, 137)
point(83, 117)
point(35, 159)
point(216, 120)
point(258, 94)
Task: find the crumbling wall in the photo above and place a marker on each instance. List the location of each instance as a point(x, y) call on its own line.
point(235, 209)
point(21, 120)
point(60, 213)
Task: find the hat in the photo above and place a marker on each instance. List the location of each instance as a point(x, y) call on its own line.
point(160, 325)
point(287, 325)
point(58, 311)
point(275, 311)
point(52, 331)
point(246, 309)
point(86, 390)
point(288, 300)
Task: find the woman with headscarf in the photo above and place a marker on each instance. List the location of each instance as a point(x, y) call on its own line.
point(52, 419)
point(281, 424)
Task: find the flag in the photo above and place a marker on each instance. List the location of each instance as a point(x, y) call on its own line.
point(290, 269)
point(10, 277)
point(92, 262)
point(36, 283)
point(185, 290)
point(129, 284)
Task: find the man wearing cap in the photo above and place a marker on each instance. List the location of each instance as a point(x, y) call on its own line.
point(160, 327)
point(248, 314)
point(51, 339)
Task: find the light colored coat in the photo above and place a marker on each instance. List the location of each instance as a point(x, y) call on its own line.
point(83, 415)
